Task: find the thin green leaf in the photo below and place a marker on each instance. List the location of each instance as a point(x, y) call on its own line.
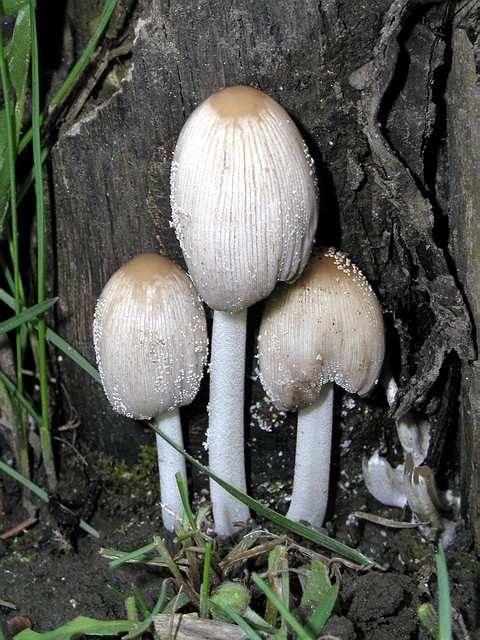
point(43, 495)
point(8, 190)
point(12, 389)
point(78, 627)
point(185, 502)
point(141, 602)
point(298, 529)
point(322, 612)
point(158, 608)
point(14, 64)
point(118, 593)
point(9, 6)
point(45, 434)
point(302, 633)
point(108, 9)
point(27, 315)
point(444, 604)
point(132, 555)
point(176, 603)
point(69, 351)
point(131, 610)
point(233, 615)
point(205, 581)
point(59, 342)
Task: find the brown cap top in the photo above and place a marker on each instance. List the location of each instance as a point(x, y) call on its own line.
point(239, 102)
point(244, 197)
point(150, 337)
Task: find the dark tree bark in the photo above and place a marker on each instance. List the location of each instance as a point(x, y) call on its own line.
point(374, 89)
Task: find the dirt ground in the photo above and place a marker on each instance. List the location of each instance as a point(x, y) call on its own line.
point(54, 572)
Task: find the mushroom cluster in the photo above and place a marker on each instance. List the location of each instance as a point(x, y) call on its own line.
point(244, 208)
point(325, 328)
point(150, 341)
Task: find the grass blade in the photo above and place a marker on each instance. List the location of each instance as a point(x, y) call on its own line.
point(59, 342)
point(12, 389)
point(233, 615)
point(8, 187)
point(205, 581)
point(444, 604)
point(45, 434)
point(322, 612)
point(14, 63)
point(299, 529)
point(132, 555)
point(282, 609)
point(41, 494)
point(27, 315)
point(108, 9)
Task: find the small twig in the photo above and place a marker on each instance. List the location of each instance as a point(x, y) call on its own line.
point(175, 571)
point(122, 50)
point(19, 528)
point(386, 522)
point(6, 604)
point(251, 553)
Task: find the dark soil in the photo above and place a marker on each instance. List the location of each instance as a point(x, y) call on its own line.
point(53, 571)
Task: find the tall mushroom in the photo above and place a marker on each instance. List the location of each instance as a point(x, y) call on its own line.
point(150, 340)
point(326, 327)
point(244, 207)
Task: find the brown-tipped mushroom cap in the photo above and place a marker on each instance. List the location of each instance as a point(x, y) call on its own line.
point(326, 327)
point(150, 337)
point(244, 197)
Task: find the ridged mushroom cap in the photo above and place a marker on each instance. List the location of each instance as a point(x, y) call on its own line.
point(244, 197)
point(325, 327)
point(150, 337)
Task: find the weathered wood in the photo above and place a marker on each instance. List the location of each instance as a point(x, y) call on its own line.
point(190, 627)
point(359, 80)
point(111, 169)
point(463, 107)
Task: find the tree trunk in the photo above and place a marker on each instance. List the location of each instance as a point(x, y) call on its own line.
point(378, 91)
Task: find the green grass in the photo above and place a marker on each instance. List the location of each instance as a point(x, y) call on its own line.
point(20, 73)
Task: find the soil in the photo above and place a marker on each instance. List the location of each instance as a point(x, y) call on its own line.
point(53, 571)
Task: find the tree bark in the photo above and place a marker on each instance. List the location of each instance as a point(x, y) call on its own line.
point(365, 83)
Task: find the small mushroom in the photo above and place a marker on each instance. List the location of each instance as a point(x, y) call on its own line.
point(383, 481)
point(244, 207)
point(413, 433)
point(150, 342)
point(326, 327)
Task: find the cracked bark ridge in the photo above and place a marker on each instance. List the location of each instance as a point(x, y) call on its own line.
point(462, 201)
point(450, 327)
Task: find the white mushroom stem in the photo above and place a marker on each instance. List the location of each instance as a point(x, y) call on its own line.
point(170, 462)
point(226, 417)
point(312, 460)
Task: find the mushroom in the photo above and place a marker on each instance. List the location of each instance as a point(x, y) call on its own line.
point(244, 208)
point(150, 340)
point(326, 327)
point(385, 483)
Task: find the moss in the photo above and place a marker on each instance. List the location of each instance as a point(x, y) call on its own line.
point(18, 552)
point(274, 493)
point(130, 488)
point(413, 549)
